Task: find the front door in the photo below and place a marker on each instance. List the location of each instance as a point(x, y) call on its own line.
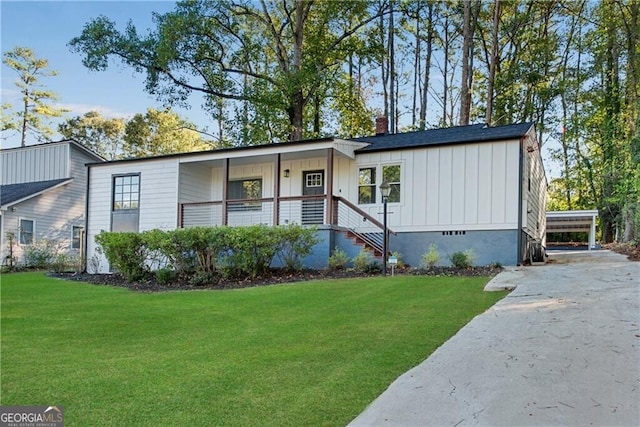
point(312, 210)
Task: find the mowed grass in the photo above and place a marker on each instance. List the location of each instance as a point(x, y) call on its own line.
point(312, 353)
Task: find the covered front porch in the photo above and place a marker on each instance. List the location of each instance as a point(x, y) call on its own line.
point(307, 183)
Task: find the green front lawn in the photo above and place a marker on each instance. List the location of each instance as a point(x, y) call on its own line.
point(312, 353)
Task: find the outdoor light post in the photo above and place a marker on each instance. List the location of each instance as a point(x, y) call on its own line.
point(385, 189)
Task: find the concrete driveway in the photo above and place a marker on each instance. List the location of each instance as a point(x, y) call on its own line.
point(562, 349)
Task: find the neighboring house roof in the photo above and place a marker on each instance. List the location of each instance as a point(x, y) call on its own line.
point(64, 141)
point(12, 194)
point(445, 136)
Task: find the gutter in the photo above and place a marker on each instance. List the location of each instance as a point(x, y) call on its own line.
point(86, 222)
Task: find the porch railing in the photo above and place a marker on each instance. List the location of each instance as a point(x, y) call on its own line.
point(363, 226)
point(305, 210)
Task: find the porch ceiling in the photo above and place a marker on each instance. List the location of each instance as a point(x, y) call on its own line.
point(248, 157)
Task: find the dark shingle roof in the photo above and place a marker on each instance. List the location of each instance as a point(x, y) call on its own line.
point(12, 193)
point(453, 135)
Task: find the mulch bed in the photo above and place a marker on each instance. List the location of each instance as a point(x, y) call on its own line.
point(273, 277)
point(631, 250)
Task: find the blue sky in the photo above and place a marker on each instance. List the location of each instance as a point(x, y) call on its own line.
point(47, 26)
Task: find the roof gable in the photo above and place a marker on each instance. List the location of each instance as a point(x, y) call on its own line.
point(14, 193)
point(444, 136)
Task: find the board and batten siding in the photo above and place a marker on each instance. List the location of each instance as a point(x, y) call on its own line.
point(449, 188)
point(37, 163)
point(158, 200)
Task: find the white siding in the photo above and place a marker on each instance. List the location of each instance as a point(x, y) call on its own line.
point(534, 190)
point(449, 188)
point(195, 183)
point(158, 198)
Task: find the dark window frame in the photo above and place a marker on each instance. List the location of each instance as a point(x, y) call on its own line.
point(122, 191)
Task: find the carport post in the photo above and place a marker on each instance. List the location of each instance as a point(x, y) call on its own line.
point(592, 233)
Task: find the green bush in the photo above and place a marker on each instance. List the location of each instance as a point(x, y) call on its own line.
point(365, 263)
point(165, 275)
point(462, 259)
point(201, 254)
point(41, 254)
point(295, 243)
point(431, 257)
point(126, 252)
point(338, 259)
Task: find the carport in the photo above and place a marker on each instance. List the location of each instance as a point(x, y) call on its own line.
point(573, 221)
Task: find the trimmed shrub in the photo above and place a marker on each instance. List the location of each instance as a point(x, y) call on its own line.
point(126, 252)
point(295, 243)
point(165, 275)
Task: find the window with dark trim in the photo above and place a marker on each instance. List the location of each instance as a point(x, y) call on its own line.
point(367, 186)
point(26, 229)
point(126, 192)
point(76, 237)
point(391, 175)
point(245, 190)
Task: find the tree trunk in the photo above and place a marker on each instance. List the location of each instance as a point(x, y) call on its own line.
point(494, 62)
point(465, 91)
point(427, 68)
point(392, 74)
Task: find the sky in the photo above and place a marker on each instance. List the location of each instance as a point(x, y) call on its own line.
point(46, 27)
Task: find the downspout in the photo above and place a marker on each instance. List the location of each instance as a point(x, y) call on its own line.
point(520, 185)
point(86, 222)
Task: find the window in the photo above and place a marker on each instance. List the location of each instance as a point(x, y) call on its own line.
point(391, 175)
point(76, 237)
point(25, 231)
point(245, 189)
point(367, 186)
point(126, 192)
point(314, 179)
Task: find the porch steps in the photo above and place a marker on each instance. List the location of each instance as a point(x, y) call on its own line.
point(377, 254)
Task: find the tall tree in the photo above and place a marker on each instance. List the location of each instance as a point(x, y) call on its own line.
point(284, 49)
point(102, 135)
point(160, 132)
point(36, 107)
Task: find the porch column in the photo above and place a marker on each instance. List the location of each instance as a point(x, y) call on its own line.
point(329, 212)
point(225, 187)
point(276, 191)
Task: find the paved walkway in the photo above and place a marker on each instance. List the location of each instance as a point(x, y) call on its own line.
point(562, 349)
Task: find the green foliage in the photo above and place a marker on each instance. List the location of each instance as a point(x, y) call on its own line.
point(365, 263)
point(295, 243)
point(126, 252)
point(201, 254)
point(160, 132)
point(462, 259)
point(101, 135)
point(36, 110)
point(276, 72)
point(338, 259)
point(41, 254)
point(165, 275)
point(431, 257)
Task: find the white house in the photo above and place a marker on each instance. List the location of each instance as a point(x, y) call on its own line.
point(469, 187)
point(42, 196)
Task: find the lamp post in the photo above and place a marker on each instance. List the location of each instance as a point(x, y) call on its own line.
point(385, 189)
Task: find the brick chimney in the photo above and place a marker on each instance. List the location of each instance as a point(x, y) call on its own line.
point(382, 125)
